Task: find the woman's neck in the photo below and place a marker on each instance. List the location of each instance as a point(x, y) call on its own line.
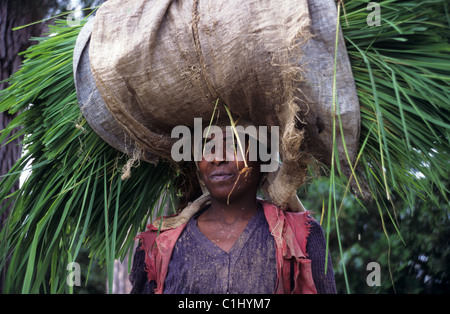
point(223, 223)
point(235, 210)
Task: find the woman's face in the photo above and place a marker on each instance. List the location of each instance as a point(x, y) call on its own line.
point(227, 179)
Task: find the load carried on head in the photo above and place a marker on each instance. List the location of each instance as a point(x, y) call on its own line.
point(144, 67)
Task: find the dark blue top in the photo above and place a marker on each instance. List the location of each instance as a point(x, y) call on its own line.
point(198, 265)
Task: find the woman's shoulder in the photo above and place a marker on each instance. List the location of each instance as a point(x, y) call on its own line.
point(290, 215)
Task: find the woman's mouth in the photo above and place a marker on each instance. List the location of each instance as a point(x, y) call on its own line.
point(219, 177)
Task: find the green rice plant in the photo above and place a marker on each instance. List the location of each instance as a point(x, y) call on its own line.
point(401, 69)
point(74, 195)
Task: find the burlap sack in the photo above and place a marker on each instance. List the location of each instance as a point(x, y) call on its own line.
point(159, 64)
point(92, 105)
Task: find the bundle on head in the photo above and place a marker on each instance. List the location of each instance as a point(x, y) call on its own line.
point(159, 64)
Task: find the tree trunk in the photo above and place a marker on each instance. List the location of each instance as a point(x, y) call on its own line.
point(14, 13)
point(121, 281)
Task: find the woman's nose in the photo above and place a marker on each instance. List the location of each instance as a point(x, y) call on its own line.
point(219, 157)
point(218, 161)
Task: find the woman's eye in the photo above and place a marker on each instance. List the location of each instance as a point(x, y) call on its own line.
point(231, 145)
point(209, 147)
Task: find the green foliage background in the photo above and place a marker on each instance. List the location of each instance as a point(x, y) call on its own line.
point(414, 260)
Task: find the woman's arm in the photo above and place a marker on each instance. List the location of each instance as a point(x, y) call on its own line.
point(316, 249)
point(138, 276)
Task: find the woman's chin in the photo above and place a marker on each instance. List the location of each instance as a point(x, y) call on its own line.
point(225, 195)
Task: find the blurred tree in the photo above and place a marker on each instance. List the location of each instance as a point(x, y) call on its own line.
point(413, 259)
point(15, 13)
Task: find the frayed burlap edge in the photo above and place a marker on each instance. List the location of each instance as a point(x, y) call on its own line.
point(281, 187)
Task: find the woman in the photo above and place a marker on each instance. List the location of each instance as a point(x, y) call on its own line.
point(236, 243)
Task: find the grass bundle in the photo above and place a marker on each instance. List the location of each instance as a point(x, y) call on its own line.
point(75, 195)
point(402, 73)
point(401, 69)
